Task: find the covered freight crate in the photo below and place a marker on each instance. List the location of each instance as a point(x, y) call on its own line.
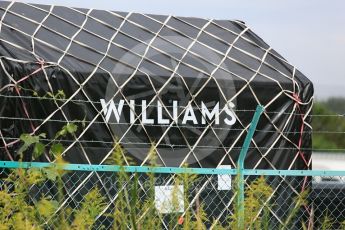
point(189, 86)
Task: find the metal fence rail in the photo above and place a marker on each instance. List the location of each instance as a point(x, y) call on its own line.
point(173, 198)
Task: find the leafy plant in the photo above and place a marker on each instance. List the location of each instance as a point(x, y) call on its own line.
point(149, 217)
point(29, 140)
point(300, 200)
point(326, 223)
point(92, 206)
point(16, 208)
point(17, 211)
point(123, 213)
point(256, 207)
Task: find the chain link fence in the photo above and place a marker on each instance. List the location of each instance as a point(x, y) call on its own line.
point(110, 197)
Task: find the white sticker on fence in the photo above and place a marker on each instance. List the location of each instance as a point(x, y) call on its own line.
point(169, 199)
point(224, 181)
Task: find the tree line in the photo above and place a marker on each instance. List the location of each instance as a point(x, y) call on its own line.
point(329, 125)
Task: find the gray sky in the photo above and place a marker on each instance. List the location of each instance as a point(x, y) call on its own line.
point(309, 34)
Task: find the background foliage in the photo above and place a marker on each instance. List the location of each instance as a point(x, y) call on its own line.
point(329, 131)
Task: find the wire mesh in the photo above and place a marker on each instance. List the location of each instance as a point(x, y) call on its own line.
point(172, 198)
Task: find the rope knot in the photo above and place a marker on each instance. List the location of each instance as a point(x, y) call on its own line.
point(296, 98)
point(40, 61)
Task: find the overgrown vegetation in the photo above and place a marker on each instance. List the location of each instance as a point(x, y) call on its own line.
point(132, 207)
point(19, 210)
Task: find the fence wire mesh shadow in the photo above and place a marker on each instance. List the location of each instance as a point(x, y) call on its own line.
point(171, 198)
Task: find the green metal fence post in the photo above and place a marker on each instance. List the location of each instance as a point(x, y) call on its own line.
point(240, 164)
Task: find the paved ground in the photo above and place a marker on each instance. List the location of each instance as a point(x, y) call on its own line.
point(328, 161)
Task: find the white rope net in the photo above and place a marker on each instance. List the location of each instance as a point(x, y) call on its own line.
point(148, 79)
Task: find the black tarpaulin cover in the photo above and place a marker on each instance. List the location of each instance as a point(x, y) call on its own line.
point(188, 85)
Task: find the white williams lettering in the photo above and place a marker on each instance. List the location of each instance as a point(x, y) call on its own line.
point(206, 113)
point(156, 113)
point(144, 108)
point(161, 120)
point(228, 109)
point(175, 112)
point(132, 111)
point(112, 108)
point(189, 115)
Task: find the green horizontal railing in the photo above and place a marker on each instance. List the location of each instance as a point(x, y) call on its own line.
point(173, 170)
